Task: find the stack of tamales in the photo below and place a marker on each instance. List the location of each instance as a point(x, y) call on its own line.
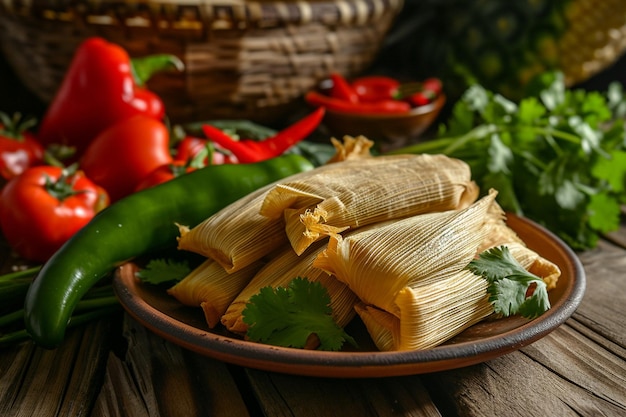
point(389, 237)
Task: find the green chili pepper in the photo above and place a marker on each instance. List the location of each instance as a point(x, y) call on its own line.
point(138, 224)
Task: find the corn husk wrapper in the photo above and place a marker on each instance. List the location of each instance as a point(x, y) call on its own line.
point(237, 235)
point(411, 273)
point(279, 272)
point(372, 190)
point(379, 262)
point(430, 314)
point(211, 288)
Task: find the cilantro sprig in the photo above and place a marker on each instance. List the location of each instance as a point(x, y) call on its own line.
point(163, 271)
point(290, 316)
point(558, 156)
point(512, 289)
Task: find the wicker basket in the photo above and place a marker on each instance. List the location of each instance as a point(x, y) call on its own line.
point(243, 59)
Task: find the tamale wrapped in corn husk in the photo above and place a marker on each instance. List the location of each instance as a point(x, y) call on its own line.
point(369, 191)
point(410, 274)
point(412, 270)
point(430, 314)
point(379, 262)
point(237, 235)
point(211, 288)
point(279, 272)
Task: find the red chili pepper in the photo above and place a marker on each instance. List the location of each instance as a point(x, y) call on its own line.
point(248, 151)
point(341, 89)
point(421, 98)
point(433, 84)
point(375, 88)
point(98, 90)
point(315, 98)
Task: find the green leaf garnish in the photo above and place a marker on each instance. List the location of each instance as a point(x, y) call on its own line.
point(161, 271)
point(512, 289)
point(288, 316)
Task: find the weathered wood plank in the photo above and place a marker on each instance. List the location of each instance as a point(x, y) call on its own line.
point(562, 375)
point(285, 395)
point(603, 305)
point(59, 382)
point(159, 379)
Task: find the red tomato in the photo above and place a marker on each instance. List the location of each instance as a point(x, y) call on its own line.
point(164, 173)
point(44, 206)
point(124, 154)
point(19, 149)
point(191, 147)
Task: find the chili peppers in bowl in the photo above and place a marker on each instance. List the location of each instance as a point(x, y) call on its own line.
point(382, 108)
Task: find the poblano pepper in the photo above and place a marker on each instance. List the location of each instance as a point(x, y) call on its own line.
point(138, 224)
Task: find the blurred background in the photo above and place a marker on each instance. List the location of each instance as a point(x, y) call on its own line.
point(499, 44)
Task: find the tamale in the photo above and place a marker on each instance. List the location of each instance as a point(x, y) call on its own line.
point(379, 262)
point(411, 274)
point(279, 272)
point(210, 287)
point(368, 191)
point(237, 235)
point(430, 314)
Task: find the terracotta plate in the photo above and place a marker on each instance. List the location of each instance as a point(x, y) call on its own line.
point(185, 326)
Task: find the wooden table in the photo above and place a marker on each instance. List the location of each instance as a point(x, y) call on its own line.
point(115, 367)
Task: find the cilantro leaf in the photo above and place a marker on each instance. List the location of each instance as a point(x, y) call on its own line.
point(554, 152)
point(160, 271)
point(289, 316)
point(510, 284)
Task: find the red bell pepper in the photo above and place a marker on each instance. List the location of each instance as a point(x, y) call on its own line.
point(98, 90)
point(45, 206)
point(125, 153)
point(19, 149)
point(249, 151)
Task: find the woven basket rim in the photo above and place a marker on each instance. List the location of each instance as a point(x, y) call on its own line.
point(207, 11)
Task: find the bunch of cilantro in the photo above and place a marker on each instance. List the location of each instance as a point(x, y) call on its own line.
point(558, 156)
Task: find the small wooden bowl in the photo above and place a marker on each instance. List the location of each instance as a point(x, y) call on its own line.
point(388, 131)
